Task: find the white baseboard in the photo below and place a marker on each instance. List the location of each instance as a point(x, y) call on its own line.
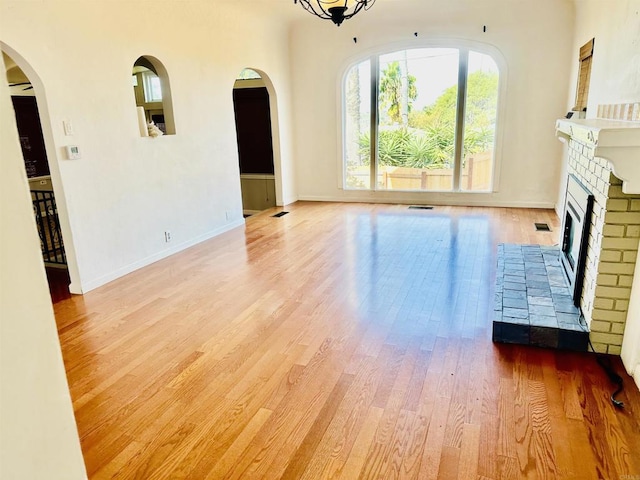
point(75, 288)
point(288, 201)
point(468, 201)
point(122, 271)
point(559, 210)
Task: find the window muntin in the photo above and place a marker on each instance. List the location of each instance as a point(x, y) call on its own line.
point(433, 122)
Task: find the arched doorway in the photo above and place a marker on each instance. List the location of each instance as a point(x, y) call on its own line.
point(41, 168)
point(256, 130)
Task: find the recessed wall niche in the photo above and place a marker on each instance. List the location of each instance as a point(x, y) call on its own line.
point(152, 93)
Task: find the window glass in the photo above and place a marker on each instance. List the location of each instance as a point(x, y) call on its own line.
point(152, 87)
point(418, 118)
point(248, 74)
point(358, 126)
point(481, 108)
point(417, 111)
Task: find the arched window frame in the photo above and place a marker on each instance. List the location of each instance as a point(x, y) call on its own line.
point(444, 42)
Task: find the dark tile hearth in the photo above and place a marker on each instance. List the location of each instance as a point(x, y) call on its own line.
point(533, 305)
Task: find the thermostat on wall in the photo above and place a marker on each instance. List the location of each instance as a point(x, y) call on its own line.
point(73, 152)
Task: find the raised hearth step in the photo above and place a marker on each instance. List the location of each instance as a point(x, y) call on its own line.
point(533, 304)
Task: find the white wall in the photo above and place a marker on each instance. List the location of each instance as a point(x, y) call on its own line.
point(615, 73)
point(533, 37)
point(38, 435)
point(127, 190)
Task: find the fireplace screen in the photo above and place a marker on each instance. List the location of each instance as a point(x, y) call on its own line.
point(575, 238)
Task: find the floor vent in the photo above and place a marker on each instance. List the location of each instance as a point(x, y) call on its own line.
point(420, 207)
point(542, 227)
point(280, 214)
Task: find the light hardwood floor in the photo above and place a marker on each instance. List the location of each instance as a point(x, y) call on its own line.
point(338, 341)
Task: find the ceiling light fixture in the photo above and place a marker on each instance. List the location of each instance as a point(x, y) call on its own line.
point(335, 10)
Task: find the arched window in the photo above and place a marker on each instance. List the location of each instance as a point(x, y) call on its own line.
point(153, 96)
point(421, 119)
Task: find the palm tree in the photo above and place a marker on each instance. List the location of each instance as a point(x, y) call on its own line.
point(397, 91)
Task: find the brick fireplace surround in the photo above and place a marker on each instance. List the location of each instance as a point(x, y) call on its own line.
point(615, 223)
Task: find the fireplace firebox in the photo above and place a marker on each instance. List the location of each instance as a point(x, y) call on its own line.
point(577, 221)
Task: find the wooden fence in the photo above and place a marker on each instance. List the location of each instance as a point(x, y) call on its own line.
point(476, 176)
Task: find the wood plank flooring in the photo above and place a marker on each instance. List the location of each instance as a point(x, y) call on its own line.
point(339, 341)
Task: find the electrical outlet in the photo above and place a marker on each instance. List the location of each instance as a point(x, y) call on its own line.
point(167, 237)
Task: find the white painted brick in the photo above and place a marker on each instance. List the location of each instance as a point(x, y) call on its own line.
point(598, 170)
point(609, 316)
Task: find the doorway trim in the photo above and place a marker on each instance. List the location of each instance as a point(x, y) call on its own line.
point(54, 165)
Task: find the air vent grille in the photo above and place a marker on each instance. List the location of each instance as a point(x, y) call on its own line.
point(542, 227)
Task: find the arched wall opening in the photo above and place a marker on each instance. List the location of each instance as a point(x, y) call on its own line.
point(152, 92)
point(53, 159)
point(257, 130)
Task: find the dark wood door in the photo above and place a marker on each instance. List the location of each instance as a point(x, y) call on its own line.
point(253, 130)
point(31, 139)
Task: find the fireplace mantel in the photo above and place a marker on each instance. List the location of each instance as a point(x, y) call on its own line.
point(616, 141)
